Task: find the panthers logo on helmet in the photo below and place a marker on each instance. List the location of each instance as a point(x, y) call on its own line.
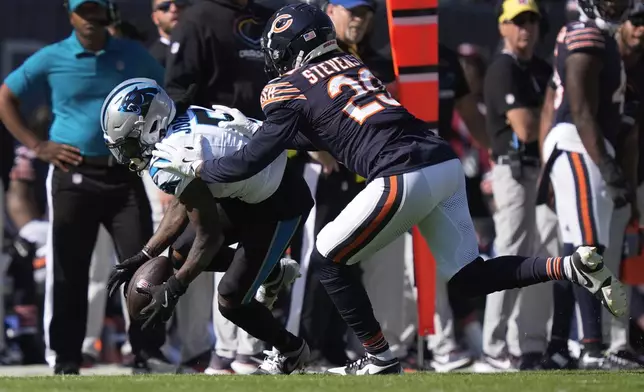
point(138, 101)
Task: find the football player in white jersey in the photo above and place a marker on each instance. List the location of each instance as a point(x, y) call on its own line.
point(261, 214)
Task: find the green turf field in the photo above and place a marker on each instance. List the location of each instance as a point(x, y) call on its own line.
point(425, 382)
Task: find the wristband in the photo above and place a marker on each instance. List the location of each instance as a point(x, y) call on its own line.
point(146, 251)
point(176, 288)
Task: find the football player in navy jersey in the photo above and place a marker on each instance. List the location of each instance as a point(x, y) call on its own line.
point(580, 141)
point(323, 99)
point(591, 101)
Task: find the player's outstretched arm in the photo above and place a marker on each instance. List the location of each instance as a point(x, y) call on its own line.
point(175, 220)
point(267, 144)
point(173, 223)
point(202, 213)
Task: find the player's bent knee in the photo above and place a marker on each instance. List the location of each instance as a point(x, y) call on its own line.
point(230, 295)
point(227, 305)
point(177, 259)
point(329, 247)
point(226, 310)
point(184, 242)
point(319, 256)
point(320, 246)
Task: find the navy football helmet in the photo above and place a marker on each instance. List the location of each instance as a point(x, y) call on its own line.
point(294, 35)
point(607, 14)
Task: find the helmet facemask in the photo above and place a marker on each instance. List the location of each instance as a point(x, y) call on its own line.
point(270, 67)
point(131, 151)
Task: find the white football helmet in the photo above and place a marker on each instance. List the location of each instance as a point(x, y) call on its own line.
point(135, 115)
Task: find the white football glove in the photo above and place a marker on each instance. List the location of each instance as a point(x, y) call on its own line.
point(180, 160)
point(240, 123)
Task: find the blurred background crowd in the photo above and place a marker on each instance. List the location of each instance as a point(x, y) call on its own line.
point(506, 331)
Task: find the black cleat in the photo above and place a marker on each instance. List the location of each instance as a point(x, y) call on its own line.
point(67, 368)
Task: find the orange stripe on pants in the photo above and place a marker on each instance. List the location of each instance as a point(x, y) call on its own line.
point(583, 199)
point(374, 224)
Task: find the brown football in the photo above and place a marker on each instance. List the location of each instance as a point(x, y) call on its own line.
point(153, 272)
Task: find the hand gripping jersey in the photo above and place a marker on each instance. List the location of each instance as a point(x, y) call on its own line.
point(344, 109)
point(198, 121)
point(578, 37)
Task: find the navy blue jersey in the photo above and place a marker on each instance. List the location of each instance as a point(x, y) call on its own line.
point(336, 105)
point(578, 37)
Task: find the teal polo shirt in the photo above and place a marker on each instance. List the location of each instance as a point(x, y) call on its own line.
point(79, 81)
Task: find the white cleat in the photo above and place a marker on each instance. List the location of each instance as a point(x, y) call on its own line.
point(267, 293)
point(368, 365)
point(284, 363)
point(588, 270)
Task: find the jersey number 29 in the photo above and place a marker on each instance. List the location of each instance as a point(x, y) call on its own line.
point(362, 87)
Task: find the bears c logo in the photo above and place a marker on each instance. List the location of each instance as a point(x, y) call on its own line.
point(281, 23)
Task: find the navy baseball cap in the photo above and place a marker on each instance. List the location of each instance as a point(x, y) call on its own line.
point(349, 4)
point(73, 4)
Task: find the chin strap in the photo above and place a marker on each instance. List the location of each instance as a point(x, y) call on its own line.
point(326, 47)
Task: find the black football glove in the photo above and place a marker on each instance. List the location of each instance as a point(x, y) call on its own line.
point(123, 272)
point(164, 299)
point(616, 184)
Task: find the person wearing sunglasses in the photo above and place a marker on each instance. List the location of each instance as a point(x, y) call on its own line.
point(165, 15)
point(513, 91)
